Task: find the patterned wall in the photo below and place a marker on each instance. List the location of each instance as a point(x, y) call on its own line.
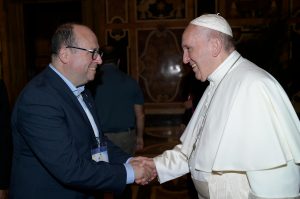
point(160, 64)
point(160, 10)
point(149, 33)
point(267, 33)
point(151, 46)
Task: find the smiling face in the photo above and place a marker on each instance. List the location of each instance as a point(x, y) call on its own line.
point(197, 51)
point(81, 67)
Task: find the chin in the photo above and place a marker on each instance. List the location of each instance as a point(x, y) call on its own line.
point(198, 77)
point(91, 77)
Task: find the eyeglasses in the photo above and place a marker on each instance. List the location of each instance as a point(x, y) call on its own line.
point(94, 52)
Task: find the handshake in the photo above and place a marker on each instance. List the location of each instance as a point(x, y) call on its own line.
point(144, 169)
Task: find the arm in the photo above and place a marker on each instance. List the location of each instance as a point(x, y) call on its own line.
point(169, 165)
point(140, 117)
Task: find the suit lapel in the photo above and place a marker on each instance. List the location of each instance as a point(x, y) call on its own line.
point(87, 97)
point(62, 88)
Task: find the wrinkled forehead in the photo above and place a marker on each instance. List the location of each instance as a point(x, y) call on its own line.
point(192, 33)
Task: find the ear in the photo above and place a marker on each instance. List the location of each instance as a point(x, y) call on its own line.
point(64, 55)
point(216, 46)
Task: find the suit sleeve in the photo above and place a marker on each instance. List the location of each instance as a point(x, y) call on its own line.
point(45, 127)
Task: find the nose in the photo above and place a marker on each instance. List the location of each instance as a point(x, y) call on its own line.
point(185, 57)
point(98, 60)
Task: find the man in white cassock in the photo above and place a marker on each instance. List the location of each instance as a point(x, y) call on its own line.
point(243, 140)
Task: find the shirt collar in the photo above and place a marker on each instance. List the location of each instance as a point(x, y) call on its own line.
point(76, 90)
point(219, 73)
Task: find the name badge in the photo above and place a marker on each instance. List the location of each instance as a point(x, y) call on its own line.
point(99, 153)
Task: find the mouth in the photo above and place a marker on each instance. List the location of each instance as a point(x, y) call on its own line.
point(193, 65)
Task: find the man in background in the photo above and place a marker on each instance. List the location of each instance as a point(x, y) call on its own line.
point(119, 103)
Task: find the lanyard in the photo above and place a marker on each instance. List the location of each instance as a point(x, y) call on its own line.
point(90, 117)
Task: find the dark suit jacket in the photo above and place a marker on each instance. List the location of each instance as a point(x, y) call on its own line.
point(52, 139)
point(5, 138)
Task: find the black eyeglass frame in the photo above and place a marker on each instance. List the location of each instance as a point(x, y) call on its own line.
point(94, 52)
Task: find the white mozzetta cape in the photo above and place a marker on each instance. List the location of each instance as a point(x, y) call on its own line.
point(250, 125)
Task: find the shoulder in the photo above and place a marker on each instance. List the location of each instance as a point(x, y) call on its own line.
point(44, 88)
point(248, 80)
point(248, 73)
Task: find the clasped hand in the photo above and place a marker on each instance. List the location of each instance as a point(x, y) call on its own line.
point(144, 169)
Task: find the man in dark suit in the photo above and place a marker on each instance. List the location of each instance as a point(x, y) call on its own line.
point(5, 141)
point(59, 149)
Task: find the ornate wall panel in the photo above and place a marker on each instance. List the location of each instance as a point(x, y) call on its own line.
point(161, 9)
point(116, 28)
point(120, 38)
point(160, 64)
point(258, 25)
point(252, 8)
point(153, 52)
point(148, 32)
point(160, 69)
point(116, 11)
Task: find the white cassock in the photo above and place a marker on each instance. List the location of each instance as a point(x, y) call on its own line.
point(243, 123)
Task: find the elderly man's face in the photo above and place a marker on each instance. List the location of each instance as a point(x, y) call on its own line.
point(196, 51)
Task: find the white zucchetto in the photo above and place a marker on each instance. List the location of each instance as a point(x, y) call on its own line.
point(214, 22)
